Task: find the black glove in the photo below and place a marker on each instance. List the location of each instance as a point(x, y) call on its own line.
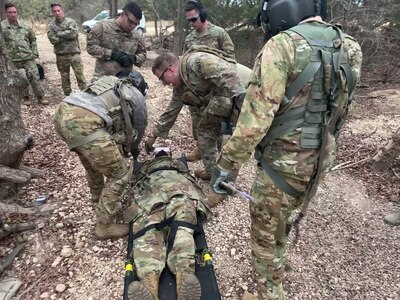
point(121, 57)
point(135, 153)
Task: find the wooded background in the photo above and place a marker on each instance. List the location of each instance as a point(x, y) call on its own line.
point(374, 23)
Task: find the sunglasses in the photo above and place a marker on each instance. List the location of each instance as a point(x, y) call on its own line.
point(194, 19)
point(131, 21)
point(163, 73)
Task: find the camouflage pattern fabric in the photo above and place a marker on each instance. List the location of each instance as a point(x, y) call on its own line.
point(20, 41)
point(21, 47)
point(100, 157)
point(156, 196)
point(64, 36)
point(216, 83)
point(214, 37)
point(278, 64)
point(32, 74)
point(64, 64)
point(107, 35)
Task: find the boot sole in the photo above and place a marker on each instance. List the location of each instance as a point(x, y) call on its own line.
point(190, 289)
point(137, 291)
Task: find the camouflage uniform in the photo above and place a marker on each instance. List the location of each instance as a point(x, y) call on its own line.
point(214, 37)
point(106, 36)
point(64, 36)
point(83, 121)
point(21, 47)
point(278, 64)
point(216, 83)
point(163, 188)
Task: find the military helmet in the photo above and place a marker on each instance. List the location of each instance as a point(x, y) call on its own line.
point(137, 80)
point(279, 15)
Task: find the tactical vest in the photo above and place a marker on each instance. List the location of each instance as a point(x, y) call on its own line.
point(107, 98)
point(199, 100)
point(331, 93)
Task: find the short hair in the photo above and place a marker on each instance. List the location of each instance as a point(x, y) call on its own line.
point(134, 9)
point(193, 4)
point(8, 5)
point(164, 60)
point(55, 4)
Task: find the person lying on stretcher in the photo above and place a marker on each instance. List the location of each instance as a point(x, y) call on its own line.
point(163, 193)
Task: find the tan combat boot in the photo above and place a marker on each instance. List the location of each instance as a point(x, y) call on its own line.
point(194, 155)
point(111, 231)
point(187, 286)
point(146, 289)
point(214, 199)
point(26, 101)
point(202, 174)
point(43, 101)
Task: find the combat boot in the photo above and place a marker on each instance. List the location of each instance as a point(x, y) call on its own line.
point(26, 101)
point(194, 155)
point(248, 296)
point(42, 100)
point(393, 219)
point(202, 174)
point(214, 199)
point(146, 289)
point(187, 286)
point(111, 231)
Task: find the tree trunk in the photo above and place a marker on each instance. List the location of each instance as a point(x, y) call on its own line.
point(13, 138)
point(113, 7)
point(178, 33)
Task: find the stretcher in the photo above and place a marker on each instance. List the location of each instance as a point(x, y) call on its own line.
point(204, 268)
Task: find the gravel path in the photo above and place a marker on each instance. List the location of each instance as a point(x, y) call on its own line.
point(345, 251)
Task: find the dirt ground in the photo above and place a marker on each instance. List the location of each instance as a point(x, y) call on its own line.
point(344, 251)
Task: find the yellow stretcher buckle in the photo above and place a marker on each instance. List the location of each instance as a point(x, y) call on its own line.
point(129, 267)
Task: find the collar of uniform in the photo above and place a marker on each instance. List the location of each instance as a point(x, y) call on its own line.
point(207, 31)
point(313, 19)
point(17, 24)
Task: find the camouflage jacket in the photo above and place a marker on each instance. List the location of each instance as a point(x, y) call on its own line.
point(214, 37)
point(210, 84)
point(280, 62)
point(106, 36)
point(20, 41)
point(64, 36)
point(157, 182)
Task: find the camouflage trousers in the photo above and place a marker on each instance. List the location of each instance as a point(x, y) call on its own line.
point(64, 62)
point(100, 157)
point(32, 74)
point(209, 141)
point(270, 212)
point(149, 250)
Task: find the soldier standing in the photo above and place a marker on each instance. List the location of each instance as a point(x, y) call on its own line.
point(209, 81)
point(101, 124)
point(163, 189)
point(208, 34)
point(298, 97)
point(21, 47)
point(63, 34)
point(114, 43)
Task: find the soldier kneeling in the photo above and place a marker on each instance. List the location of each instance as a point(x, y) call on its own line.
point(164, 192)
